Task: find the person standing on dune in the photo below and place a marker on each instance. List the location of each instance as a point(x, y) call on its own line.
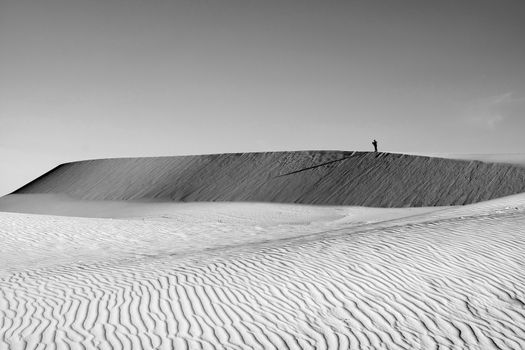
point(375, 145)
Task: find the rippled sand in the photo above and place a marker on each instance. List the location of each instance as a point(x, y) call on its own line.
point(267, 276)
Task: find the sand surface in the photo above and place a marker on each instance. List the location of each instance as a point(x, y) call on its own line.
point(63, 205)
point(506, 158)
point(266, 276)
point(303, 177)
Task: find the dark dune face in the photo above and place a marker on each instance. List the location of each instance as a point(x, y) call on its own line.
point(308, 177)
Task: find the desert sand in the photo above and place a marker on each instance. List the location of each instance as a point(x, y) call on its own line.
point(147, 274)
point(304, 177)
point(505, 158)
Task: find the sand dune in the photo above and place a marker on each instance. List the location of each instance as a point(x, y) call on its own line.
point(315, 177)
point(140, 270)
point(63, 205)
point(506, 158)
point(452, 279)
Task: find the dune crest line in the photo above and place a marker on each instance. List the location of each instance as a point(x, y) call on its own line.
point(333, 178)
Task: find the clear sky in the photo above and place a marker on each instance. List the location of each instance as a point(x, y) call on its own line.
point(108, 78)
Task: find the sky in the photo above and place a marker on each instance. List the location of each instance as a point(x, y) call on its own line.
point(83, 79)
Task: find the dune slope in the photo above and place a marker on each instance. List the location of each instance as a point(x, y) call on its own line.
point(452, 279)
point(506, 158)
point(308, 177)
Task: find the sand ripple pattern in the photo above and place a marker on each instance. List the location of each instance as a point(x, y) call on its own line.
point(442, 283)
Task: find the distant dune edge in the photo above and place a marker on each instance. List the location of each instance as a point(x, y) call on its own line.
point(305, 177)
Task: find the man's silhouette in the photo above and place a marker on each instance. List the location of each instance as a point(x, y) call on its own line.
point(375, 145)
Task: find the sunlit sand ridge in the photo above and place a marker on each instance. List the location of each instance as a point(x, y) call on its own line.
point(262, 275)
point(435, 279)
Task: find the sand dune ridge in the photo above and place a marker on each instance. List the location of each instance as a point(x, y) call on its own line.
point(307, 177)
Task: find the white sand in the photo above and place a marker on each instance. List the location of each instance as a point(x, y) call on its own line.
point(301, 177)
point(266, 276)
point(507, 158)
